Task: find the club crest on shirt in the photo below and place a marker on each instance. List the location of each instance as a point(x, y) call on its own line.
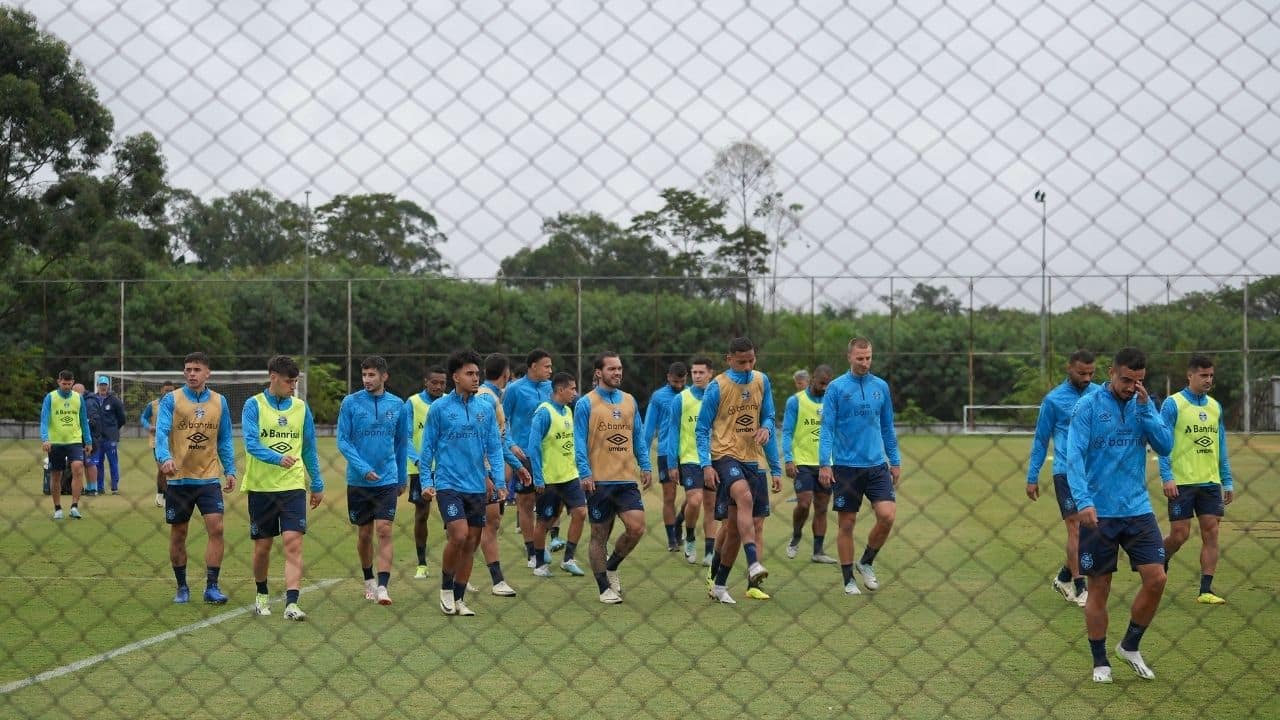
point(199, 412)
point(1204, 416)
point(480, 416)
point(875, 394)
point(282, 421)
point(617, 414)
point(391, 415)
point(746, 395)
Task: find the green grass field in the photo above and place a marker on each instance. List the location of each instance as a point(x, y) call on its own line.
point(965, 625)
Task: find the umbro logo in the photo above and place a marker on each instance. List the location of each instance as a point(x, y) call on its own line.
point(198, 438)
point(280, 447)
point(567, 446)
point(1204, 441)
point(617, 439)
point(745, 421)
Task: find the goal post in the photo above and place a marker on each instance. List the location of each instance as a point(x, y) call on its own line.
point(139, 387)
point(1000, 419)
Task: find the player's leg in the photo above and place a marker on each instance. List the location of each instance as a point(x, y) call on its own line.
point(421, 514)
point(577, 520)
point(489, 547)
point(804, 502)
point(57, 463)
point(179, 503)
point(692, 512)
point(213, 551)
point(1209, 508)
point(111, 450)
point(601, 511)
point(821, 502)
point(92, 467)
point(263, 527)
point(77, 480)
point(1142, 542)
point(1179, 532)
point(526, 500)
point(545, 506)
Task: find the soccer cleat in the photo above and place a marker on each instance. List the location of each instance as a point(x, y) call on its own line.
point(757, 572)
point(792, 551)
point(609, 597)
point(214, 596)
point(502, 589)
point(1082, 597)
point(1065, 589)
point(615, 581)
point(1134, 658)
point(460, 608)
point(532, 563)
point(557, 544)
point(571, 567)
point(721, 595)
point(115, 492)
point(57, 513)
point(823, 559)
point(851, 588)
point(706, 560)
point(470, 587)
point(446, 602)
point(293, 612)
point(542, 571)
point(1210, 599)
point(868, 574)
point(420, 573)
point(756, 593)
point(159, 499)
point(690, 554)
point(370, 590)
point(75, 512)
point(384, 598)
point(183, 596)
point(262, 605)
point(1102, 674)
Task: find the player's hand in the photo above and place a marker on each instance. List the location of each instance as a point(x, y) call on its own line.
point(316, 499)
point(674, 476)
point(503, 494)
point(1228, 496)
point(777, 483)
point(1088, 517)
point(519, 453)
point(646, 479)
point(588, 485)
point(288, 461)
point(1033, 491)
point(371, 476)
point(429, 491)
point(710, 478)
point(539, 489)
point(89, 448)
point(1170, 489)
point(791, 470)
point(825, 476)
point(761, 436)
point(401, 489)
point(231, 484)
point(526, 479)
point(1141, 391)
point(46, 447)
point(168, 468)
point(895, 472)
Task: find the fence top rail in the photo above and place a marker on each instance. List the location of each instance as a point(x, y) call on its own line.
point(1168, 277)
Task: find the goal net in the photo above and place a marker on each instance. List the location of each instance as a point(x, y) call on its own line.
point(139, 387)
point(1000, 419)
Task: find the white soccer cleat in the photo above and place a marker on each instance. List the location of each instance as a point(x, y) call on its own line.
point(691, 557)
point(543, 571)
point(262, 605)
point(851, 588)
point(1082, 597)
point(721, 595)
point(610, 597)
point(447, 605)
point(159, 499)
point(757, 572)
point(571, 567)
point(460, 608)
point(706, 560)
point(57, 514)
point(470, 587)
point(615, 581)
point(1066, 589)
point(75, 512)
point(1102, 674)
point(383, 597)
point(792, 551)
point(823, 559)
point(370, 590)
point(868, 574)
point(1134, 658)
point(532, 564)
point(502, 589)
point(293, 612)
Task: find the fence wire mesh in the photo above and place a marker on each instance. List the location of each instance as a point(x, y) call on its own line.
point(880, 162)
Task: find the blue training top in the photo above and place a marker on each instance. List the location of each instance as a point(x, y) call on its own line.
point(459, 437)
point(1107, 453)
point(857, 423)
point(656, 415)
point(373, 435)
point(1052, 423)
point(520, 399)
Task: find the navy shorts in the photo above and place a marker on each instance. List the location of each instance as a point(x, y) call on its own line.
point(732, 471)
point(691, 476)
point(663, 477)
point(518, 487)
point(180, 501)
point(272, 513)
point(62, 455)
point(455, 506)
point(1139, 536)
point(366, 504)
point(1066, 503)
point(555, 495)
point(1197, 500)
point(416, 496)
point(852, 484)
point(807, 480)
point(612, 498)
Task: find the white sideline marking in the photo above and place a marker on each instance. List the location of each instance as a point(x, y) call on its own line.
point(123, 650)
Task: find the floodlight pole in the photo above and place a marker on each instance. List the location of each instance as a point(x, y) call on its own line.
point(306, 293)
point(1044, 283)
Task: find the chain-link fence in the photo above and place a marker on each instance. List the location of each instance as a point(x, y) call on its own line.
point(878, 167)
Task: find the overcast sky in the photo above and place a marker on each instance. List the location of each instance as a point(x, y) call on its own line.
point(913, 133)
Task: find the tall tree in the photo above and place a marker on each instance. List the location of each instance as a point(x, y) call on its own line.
point(248, 228)
point(380, 230)
point(688, 222)
point(588, 245)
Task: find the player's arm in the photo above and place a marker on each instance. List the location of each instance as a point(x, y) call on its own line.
point(1224, 466)
point(493, 444)
point(639, 447)
point(404, 434)
point(1079, 439)
point(310, 455)
point(145, 417)
point(581, 432)
point(1168, 413)
point(1040, 442)
point(789, 416)
point(411, 453)
point(44, 420)
point(122, 418)
point(706, 418)
point(249, 429)
point(427, 453)
point(226, 446)
point(651, 417)
point(669, 437)
point(827, 436)
point(768, 408)
point(771, 457)
point(888, 434)
point(533, 444)
point(164, 425)
point(346, 445)
point(84, 425)
point(1155, 429)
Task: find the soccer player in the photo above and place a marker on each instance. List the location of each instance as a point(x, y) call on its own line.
point(279, 442)
point(519, 400)
point(106, 443)
point(497, 373)
point(801, 427)
point(1196, 474)
point(1106, 468)
point(555, 473)
point(193, 447)
point(735, 422)
point(656, 417)
point(858, 456)
point(418, 405)
point(373, 435)
point(801, 379)
point(93, 410)
point(64, 437)
point(609, 453)
point(150, 414)
point(460, 439)
point(1052, 423)
point(681, 450)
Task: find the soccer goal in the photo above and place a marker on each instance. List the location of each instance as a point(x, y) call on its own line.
point(139, 387)
point(1000, 419)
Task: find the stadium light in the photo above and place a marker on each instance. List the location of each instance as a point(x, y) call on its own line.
point(1044, 284)
point(306, 295)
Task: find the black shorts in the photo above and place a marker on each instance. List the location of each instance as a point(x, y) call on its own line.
point(273, 513)
point(732, 471)
point(416, 496)
point(1062, 490)
point(518, 488)
point(61, 456)
point(459, 506)
point(180, 501)
point(613, 498)
point(807, 480)
point(691, 476)
point(366, 504)
point(663, 477)
point(852, 484)
point(568, 494)
point(1100, 546)
point(1197, 500)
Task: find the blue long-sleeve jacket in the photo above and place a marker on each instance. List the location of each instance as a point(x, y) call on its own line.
point(112, 416)
point(146, 419)
point(711, 405)
point(253, 444)
point(1052, 423)
point(857, 423)
point(771, 453)
point(582, 432)
point(46, 412)
point(226, 451)
point(1169, 414)
point(508, 442)
point(459, 437)
point(656, 415)
point(520, 399)
point(373, 434)
point(533, 443)
point(1107, 453)
point(669, 443)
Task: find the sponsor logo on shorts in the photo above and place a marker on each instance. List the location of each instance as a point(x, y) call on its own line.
point(170, 513)
point(596, 514)
point(453, 510)
point(1086, 561)
point(841, 501)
